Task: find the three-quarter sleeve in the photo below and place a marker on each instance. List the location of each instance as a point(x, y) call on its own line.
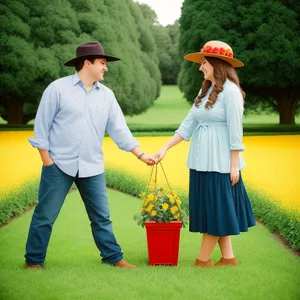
point(187, 127)
point(117, 128)
point(234, 113)
point(46, 112)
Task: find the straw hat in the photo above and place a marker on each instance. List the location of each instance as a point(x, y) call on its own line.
point(216, 49)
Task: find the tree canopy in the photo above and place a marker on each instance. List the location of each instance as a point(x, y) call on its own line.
point(166, 39)
point(39, 36)
point(264, 34)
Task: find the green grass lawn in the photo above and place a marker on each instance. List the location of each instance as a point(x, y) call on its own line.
point(73, 269)
point(170, 108)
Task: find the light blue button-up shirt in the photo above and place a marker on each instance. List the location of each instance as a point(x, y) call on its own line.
point(70, 123)
point(215, 132)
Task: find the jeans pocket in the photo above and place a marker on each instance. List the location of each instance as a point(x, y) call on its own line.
point(50, 173)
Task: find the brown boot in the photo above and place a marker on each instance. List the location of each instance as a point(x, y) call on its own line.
point(31, 266)
point(227, 262)
point(124, 264)
point(203, 264)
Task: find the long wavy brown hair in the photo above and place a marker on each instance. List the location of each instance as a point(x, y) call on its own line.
point(222, 71)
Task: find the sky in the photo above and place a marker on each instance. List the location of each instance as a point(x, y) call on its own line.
point(167, 10)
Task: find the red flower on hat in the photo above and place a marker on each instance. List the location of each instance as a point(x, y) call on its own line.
point(222, 51)
point(216, 50)
point(208, 49)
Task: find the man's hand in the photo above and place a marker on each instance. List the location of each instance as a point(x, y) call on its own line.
point(48, 162)
point(46, 159)
point(148, 159)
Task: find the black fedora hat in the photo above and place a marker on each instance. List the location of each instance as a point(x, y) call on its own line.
point(88, 49)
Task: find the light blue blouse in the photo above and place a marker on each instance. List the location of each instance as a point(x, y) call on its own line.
point(215, 132)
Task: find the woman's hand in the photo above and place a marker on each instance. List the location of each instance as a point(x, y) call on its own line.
point(160, 154)
point(234, 175)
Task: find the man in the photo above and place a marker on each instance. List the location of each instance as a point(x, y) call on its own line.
point(73, 115)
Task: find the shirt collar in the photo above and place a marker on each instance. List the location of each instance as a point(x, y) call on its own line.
point(76, 79)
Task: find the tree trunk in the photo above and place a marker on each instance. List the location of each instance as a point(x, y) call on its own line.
point(287, 104)
point(28, 117)
point(13, 106)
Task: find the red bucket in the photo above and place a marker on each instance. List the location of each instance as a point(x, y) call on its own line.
point(163, 242)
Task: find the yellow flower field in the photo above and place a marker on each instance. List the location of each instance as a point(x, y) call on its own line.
point(273, 163)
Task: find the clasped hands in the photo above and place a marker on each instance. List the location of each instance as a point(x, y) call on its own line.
point(155, 159)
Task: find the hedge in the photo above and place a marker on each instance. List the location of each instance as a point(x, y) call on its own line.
point(277, 218)
point(249, 129)
point(15, 202)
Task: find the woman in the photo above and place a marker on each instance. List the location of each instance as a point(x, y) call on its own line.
point(218, 202)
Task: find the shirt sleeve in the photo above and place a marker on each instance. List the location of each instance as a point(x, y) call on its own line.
point(234, 113)
point(187, 127)
point(46, 112)
point(117, 128)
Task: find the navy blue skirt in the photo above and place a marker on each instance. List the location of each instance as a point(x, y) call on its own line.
point(216, 207)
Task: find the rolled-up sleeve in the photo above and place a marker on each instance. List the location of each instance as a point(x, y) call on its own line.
point(234, 113)
point(187, 127)
point(47, 109)
point(117, 128)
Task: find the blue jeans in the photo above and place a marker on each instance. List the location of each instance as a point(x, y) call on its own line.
point(54, 186)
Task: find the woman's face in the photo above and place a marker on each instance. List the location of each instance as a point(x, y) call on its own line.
point(207, 69)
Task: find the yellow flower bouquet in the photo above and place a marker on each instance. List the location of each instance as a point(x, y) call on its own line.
point(160, 205)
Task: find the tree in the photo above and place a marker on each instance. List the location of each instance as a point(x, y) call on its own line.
point(122, 31)
point(148, 53)
point(38, 37)
point(264, 34)
point(171, 75)
point(33, 32)
point(166, 39)
point(149, 14)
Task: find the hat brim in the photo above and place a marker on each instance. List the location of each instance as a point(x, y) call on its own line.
point(198, 56)
point(73, 62)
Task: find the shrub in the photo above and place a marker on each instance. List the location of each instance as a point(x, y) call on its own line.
point(279, 219)
point(14, 202)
